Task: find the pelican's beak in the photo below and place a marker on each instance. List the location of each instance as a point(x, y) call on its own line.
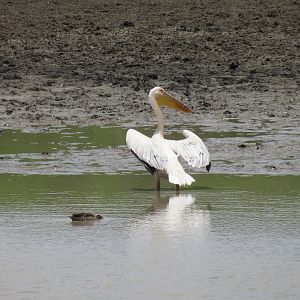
point(164, 99)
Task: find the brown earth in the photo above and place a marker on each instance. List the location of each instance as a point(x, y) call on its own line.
point(94, 61)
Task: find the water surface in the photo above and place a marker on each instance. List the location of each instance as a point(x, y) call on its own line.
point(227, 237)
point(231, 235)
point(80, 150)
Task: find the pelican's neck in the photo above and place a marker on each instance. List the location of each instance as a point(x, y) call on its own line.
point(159, 116)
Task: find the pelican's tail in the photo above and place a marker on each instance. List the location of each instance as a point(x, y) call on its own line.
point(181, 178)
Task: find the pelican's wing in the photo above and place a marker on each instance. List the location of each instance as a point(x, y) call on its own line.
point(146, 151)
point(156, 153)
point(191, 149)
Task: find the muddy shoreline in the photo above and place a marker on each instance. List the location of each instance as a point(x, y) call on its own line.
point(93, 62)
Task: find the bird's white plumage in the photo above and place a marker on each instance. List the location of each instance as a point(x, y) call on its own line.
point(191, 149)
point(163, 154)
point(160, 156)
point(146, 150)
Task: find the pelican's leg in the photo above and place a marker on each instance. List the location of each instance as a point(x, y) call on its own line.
point(177, 189)
point(157, 179)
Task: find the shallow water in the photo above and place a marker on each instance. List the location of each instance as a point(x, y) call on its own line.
point(80, 150)
point(226, 237)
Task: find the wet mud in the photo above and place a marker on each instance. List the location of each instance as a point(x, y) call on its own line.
point(94, 150)
point(93, 62)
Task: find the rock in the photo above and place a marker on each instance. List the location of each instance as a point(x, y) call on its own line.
point(234, 65)
point(258, 145)
point(127, 24)
point(11, 76)
point(272, 167)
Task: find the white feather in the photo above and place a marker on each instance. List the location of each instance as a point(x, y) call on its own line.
point(191, 149)
point(158, 153)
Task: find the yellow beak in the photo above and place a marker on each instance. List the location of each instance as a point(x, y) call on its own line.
point(165, 99)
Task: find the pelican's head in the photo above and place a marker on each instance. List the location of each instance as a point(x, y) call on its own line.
point(162, 98)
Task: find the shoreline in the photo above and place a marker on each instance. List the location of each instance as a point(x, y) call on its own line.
point(94, 63)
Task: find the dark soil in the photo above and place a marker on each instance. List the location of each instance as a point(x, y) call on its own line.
point(94, 61)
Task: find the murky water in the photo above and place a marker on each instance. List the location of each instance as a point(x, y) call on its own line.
point(226, 237)
point(80, 150)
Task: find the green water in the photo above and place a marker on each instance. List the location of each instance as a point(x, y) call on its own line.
point(81, 150)
point(234, 234)
point(56, 139)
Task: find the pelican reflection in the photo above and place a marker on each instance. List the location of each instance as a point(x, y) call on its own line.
point(177, 213)
point(181, 213)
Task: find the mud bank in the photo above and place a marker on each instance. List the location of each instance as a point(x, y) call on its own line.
point(93, 62)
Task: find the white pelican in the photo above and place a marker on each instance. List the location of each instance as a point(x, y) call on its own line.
point(159, 155)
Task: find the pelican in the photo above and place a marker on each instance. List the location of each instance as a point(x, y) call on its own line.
point(159, 155)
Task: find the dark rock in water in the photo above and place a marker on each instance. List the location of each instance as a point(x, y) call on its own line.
point(271, 167)
point(271, 115)
point(84, 217)
point(242, 146)
point(258, 145)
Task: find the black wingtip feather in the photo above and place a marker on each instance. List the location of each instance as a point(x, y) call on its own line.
point(149, 168)
point(208, 167)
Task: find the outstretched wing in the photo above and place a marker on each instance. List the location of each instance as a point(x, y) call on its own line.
point(191, 149)
point(157, 153)
point(143, 148)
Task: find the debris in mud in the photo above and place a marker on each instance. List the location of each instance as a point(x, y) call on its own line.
point(204, 104)
point(234, 65)
point(9, 111)
point(258, 145)
point(127, 24)
point(271, 167)
point(11, 76)
point(227, 113)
